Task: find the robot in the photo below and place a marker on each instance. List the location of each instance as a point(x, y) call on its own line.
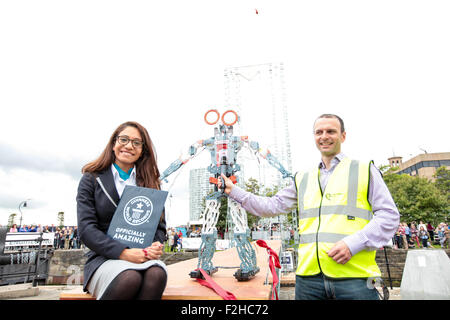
point(224, 147)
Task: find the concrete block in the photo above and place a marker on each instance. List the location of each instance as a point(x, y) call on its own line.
point(15, 291)
point(426, 275)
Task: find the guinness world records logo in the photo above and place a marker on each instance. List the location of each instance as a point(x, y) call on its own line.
point(138, 210)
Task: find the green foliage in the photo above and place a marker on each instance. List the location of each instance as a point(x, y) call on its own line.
point(442, 182)
point(11, 219)
point(417, 198)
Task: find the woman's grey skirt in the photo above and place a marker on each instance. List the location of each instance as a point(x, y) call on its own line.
point(110, 269)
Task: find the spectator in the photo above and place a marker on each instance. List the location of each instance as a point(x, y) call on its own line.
point(180, 241)
point(75, 240)
point(447, 234)
point(13, 228)
point(414, 235)
point(398, 237)
point(440, 231)
point(423, 235)
point(421, 224)
point(61, 240)
point(175, 241)
point(403, 235)
point(66, 237)
point(56, 239)
point(408, 234)
point(171, 239)
point(430, 230)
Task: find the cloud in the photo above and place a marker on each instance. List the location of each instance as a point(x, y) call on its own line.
point(13, 201)
point(13, 158)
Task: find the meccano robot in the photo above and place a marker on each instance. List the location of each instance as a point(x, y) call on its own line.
point(224, 147)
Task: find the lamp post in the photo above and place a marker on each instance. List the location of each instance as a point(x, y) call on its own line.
point(22, 204)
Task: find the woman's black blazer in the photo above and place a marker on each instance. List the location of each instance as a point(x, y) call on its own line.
point(94, 213)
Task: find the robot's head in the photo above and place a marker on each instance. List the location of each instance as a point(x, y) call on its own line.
point(213, 116)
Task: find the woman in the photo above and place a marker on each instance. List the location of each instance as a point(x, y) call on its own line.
point(430, 230)
point(414, 235)
point(423, 234)
point(114, 271)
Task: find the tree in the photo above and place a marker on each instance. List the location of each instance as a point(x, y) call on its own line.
point(417, 198)
point(442, 182)
point(61, 219)
point(12, 219)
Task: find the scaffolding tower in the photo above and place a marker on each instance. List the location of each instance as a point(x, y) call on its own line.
point(258, 94)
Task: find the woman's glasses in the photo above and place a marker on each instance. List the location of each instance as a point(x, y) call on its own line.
point(124, 140)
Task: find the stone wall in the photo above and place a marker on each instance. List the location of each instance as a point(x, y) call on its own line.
point(66, 267)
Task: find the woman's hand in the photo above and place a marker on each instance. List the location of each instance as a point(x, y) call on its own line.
point(135, 255)
point(155, 251)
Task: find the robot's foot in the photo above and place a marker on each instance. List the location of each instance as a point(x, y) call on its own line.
point(245, 276)
point(198, 275)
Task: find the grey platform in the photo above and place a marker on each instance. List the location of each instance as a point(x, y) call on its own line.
point(426, 275)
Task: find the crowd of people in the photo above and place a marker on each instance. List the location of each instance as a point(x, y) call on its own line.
point(408, 235)
point(66, 237)
point(175, 239)
point(413, 235)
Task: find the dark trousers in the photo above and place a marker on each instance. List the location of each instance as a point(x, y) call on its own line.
point(424, 243)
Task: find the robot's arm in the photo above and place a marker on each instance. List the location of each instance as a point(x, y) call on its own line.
point(271, 159)
point(194, 150)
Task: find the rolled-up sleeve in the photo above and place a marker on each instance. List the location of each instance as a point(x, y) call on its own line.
point(282, 202)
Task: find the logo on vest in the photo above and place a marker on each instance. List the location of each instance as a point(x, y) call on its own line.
point(138, 210)
point(331, 195)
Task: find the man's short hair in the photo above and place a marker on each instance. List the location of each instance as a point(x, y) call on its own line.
point(329, 115)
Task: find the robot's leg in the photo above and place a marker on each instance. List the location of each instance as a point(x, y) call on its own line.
point(209, 237)
point(248, 267)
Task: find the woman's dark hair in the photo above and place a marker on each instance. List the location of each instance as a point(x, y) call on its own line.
point(147, 173)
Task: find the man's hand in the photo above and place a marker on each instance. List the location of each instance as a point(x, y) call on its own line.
point(340, 252)
point(228, 184)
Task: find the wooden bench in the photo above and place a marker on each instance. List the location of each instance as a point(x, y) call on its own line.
point(181, 287)
point(76, 296)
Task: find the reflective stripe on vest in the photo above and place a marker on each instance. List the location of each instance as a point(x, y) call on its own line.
point(325, 219)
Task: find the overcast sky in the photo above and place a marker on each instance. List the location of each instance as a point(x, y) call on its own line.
point(72, 71)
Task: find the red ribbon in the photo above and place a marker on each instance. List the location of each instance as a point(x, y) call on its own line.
point(274, 262)
point(210, 283)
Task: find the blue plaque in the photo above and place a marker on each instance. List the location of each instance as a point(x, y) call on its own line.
point(137, 216)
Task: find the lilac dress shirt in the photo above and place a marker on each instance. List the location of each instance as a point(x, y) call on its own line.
point(374, 235)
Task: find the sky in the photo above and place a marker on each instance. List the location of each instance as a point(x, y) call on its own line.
point(72, 71)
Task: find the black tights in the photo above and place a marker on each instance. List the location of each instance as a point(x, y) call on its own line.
point(135, 284)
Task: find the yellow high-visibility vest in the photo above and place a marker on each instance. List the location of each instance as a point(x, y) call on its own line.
point(326, 218)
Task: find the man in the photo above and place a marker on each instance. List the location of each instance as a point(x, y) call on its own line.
point(345, 213)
